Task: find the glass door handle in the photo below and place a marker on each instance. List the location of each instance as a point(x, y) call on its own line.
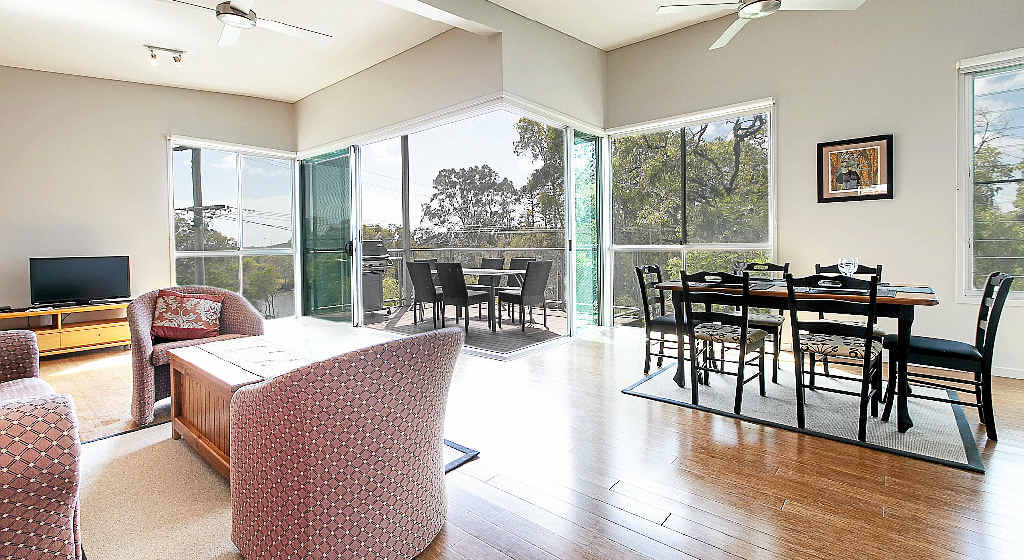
point(349, 248)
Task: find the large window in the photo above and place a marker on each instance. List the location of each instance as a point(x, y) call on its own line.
point(696, 196)
point(996, 220)
point(233, 225)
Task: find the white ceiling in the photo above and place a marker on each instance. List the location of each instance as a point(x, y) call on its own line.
point(104, 38)
point(610, 24)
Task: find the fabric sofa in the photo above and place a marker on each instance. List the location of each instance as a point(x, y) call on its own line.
point(151, 380)
point(39, 451)
point(342, 458)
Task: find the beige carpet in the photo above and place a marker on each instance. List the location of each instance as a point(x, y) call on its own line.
point(147, 496)
point(100, 382)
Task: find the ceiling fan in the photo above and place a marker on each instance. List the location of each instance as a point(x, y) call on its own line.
point(238, 15)
point(756, 9)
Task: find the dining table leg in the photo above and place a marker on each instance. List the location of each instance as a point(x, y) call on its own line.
point(491, 321)
point(906, 320)
point(677, 306)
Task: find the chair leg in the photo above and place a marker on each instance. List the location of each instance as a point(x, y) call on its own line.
point(987, 408)
point(545, 308)
point(434, 315)
point(876, 386)
point(862, 421)
point(739, 375)
point(760, 371)
point(800, 390)
point(647, 356)
point(522, 317)
point(500, 307)
point(810, 382)
point(444, 322)
point(661, 349)
point(479, 311)
point(775, 357)
point(694, 375)
point(466, 318)
point(890, 388)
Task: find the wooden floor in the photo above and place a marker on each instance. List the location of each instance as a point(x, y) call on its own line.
point(572, 468)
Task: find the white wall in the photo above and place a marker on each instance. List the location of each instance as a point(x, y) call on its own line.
point(454, 67)
point(886, 68)
point(84, 166)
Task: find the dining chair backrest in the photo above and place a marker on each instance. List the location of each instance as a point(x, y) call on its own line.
point(862, 270)
point(711, 301)
point(433, 266)
point(811, 293)
point(648, 277)
point(453, 281)
point(536, 281)
point(496, 263)
point(767, 270)
point(422, 281)
point(517, 263)
point(997, 289)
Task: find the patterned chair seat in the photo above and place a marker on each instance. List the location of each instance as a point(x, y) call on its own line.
point(716, 332)
point(838, 346)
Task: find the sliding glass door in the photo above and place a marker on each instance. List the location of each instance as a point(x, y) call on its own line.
point(586, 171)
point(327, 261)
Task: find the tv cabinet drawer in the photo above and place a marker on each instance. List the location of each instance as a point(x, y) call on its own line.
point(48, 340)
point(94, 335)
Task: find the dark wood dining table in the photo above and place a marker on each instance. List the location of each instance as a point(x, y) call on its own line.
point(773, 295)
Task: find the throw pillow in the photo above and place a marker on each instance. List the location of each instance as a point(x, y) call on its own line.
point(181, 316)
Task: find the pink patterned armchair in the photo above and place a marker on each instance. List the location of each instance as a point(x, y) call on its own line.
point(342, 458)
point(150, 362)
point(39, 451)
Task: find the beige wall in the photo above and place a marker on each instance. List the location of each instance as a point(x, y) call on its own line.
point(887, 68)
point(84, 167)
point(454, 67)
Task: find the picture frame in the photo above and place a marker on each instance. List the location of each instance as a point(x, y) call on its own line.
point(855, 169)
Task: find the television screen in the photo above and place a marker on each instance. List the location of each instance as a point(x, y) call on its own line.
point(78, 279)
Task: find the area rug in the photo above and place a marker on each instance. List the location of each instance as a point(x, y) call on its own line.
point(941, 432)
point(145, 495)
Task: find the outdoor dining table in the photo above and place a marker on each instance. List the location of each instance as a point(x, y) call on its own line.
point(493, 290)
point(773, 295)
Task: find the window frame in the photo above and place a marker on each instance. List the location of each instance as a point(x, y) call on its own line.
point(760, 106)
point(240, 151)
point(967, 70)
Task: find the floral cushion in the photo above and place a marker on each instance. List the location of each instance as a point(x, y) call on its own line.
point(179, 316)
point(715, 332)
point(839, 346)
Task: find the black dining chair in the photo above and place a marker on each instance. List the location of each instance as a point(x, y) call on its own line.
point(975, 359)
point(530, 294)
point(454, 291)
point(710, 325)
point(845, 343)
point(656, 321)
point(767, 320)
point(485, 282)
point(863, 271)
point(515, 280)
point(424, 289)
point(433, 266)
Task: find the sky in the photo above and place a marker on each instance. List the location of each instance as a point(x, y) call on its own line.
point(1002, 94)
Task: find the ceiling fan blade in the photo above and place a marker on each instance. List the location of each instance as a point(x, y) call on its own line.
point(837, 5)
point(229, 36)
point(293, 30)
point(679, 8)
point(729, 33)
point(243, 5)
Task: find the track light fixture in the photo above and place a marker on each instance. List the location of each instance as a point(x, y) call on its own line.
point(177, 55)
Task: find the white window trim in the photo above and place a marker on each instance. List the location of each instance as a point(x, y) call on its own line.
point(240, 150)
point(966, 293)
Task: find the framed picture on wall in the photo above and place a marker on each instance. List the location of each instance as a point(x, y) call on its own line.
point(855, 169)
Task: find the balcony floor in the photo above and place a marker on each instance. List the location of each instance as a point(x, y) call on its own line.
point(510, 338)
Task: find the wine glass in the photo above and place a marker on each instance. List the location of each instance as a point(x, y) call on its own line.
point(848, 265)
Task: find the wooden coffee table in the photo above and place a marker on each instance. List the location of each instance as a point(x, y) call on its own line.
point(203, 379)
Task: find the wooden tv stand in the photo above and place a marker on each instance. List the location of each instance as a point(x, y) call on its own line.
point(60, 338)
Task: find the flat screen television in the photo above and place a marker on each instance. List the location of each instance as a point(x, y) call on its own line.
point(78, 279)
